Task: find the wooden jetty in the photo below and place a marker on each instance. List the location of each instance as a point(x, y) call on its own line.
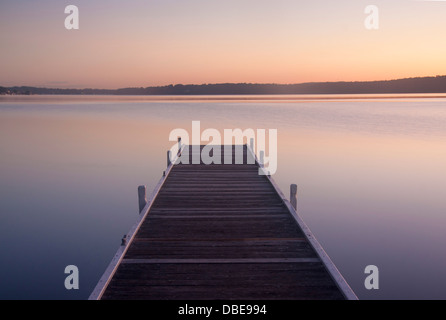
point(220, 232)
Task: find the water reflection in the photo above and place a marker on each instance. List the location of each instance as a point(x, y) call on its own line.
point(371, 179)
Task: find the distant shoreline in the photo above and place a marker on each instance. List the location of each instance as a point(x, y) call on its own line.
point(277, 99)
point(420, 85)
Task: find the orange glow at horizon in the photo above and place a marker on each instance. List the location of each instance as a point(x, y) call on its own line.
point(150, 44)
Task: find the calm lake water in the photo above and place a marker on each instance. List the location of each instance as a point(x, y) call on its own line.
point(371, 172)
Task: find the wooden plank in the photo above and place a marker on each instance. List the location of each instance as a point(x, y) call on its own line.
point(198, 239)
point(220, 216)
point(220, 261)
point(220, 249)
point(191, 228)
point(209, 211)
point(222, 281)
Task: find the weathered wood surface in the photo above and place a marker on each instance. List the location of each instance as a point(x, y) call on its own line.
point(220, 232)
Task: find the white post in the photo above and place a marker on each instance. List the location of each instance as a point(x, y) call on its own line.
point(262, 158)
point(124, 240)
point(250, 156)
point(142, 197)
point(293, 196)
point(169, 155)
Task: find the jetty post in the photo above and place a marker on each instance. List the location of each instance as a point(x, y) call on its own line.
point(142, 199)
point(293, 196)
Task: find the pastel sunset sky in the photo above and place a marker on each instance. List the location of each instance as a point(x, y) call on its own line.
point(139, 43)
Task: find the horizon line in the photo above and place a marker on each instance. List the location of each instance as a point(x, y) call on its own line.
point(224, 83)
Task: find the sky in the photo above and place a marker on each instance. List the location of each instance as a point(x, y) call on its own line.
point(140, 43)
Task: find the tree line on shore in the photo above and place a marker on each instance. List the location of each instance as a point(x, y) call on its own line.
point(408, 85)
